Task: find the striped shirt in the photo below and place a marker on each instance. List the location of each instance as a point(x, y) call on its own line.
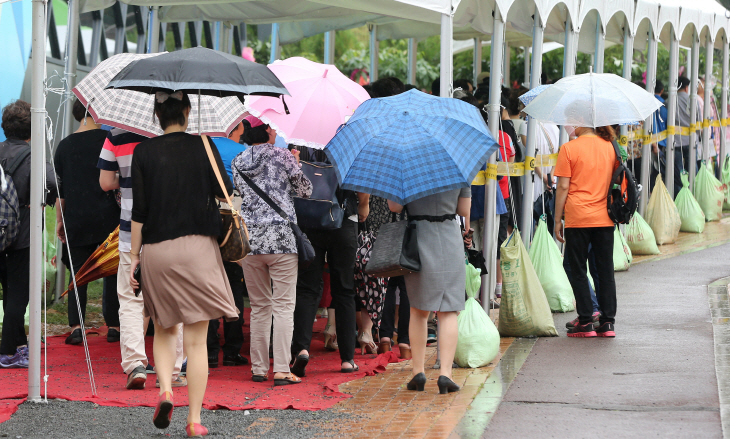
point(116, 155)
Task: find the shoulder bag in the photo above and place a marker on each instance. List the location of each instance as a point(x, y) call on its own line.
point(304, 247)
point(395, 251)
point(322, 209)
point(233, 241)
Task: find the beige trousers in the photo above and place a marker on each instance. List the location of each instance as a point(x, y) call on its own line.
point(131, 322)
point(260, 271)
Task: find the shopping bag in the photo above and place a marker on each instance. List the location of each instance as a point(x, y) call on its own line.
point(478, 342)
point(622, 256)
point(548, 264)
point(524, 309)
point(693, 218)
point(662, 214)
point(709, 193)
point(725, 180)
point(640, 237)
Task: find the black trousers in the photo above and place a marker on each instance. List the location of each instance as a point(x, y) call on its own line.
point(15, 280)
point(109, 298)
point(339, 247)
point(681, 163)
point(387, 321)
point(577, 241)
point(232, 331)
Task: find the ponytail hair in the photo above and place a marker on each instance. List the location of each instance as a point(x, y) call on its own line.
point(606, 133)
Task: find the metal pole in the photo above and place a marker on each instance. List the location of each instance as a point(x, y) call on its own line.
point(569, 55)
point(329, 47)
point(529, 178)
point(723, 111)
point(274, 43)
point(648, 128)
point(97, 33)
point(692, 165)
point(628, 59)
point(447, 55)
point(506, 59)
point(412, 60)
point(37, 181)
point(153, 30)
point(671, 109)
point(477, 61)
point(491, 219)
point(374, 55)
point(526, 60)
point(707, 111)
point(600, 45)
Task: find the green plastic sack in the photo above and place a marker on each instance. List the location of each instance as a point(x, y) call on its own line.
point(662, 214)
point(693, 218)
point(478, 343)
point(622, 256)
point(709, 193)
point(548, 264)
point(524, 309)
point(49, 265)
point(725, 180)
point(640, 237)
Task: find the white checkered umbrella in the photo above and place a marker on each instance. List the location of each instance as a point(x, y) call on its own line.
point(133, 111)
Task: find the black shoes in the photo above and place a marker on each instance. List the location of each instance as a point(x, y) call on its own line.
point(446, 385)
point(236, 360)
point(606, 330)
point(75, 337)
point(582, 331)
point(113, 335)
point(213, 361)
point(300, 363)
point(418, 382)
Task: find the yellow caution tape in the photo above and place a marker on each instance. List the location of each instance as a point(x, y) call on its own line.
point(491, 172)
point(715, 124)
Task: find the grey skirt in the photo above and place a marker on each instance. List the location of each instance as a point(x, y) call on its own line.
point(183, 281)
point(440, 285)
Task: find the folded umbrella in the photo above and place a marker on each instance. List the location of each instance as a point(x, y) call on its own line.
point(322, 99)
point(411, 145)
point(134, 111)
point(102, 263)
point(592, 100)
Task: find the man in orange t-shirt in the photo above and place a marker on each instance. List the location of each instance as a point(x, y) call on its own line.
point(584, 169)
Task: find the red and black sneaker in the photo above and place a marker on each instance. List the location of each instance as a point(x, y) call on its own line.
point(606, 330)
point(596, 316)
point(584, 331)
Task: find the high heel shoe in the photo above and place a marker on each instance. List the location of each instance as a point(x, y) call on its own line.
point(384, 347)
point(405, 351)
point(330, 338)
point(163, 411)
point(446, 385)
point(367, 345)
point(194, 429)
point(418, 382)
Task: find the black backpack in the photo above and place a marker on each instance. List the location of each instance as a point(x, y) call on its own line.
point(322, 210)
point(623, 193)
point(9, 204)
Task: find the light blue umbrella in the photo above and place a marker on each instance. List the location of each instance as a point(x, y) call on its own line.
point(411, 145)
point(532, 94)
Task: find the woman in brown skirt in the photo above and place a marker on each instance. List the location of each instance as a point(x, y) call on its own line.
point(176, 218)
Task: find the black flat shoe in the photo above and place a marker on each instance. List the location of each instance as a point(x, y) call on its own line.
point(418, 382)
point(113, 336)
point(259, 378)
point(300, 363)
point(446, 385)
point(75, 337)
point(236, 360)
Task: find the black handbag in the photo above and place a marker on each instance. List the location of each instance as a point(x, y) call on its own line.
point(304, 247)
point(395, 251)
point(322, 209)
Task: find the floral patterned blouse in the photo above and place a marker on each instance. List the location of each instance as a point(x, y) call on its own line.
point(277, 173)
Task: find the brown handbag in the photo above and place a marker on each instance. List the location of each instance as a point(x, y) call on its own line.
point(233, 243)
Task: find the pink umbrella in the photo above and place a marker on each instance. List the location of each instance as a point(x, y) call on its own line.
point(322, 99)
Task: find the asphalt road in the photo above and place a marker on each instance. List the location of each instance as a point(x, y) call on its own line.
point(655, 379)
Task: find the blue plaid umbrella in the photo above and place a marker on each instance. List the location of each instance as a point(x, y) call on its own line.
point(411, 145)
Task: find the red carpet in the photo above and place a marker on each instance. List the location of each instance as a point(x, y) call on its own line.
point(228, 387)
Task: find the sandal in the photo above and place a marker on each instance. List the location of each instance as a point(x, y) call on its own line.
point(330, 338)
point(354, 367)
point(291, 379)
point(297, 368)
point(259, 378)
point(367, 345)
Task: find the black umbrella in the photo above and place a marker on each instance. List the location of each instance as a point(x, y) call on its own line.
point(199, 71)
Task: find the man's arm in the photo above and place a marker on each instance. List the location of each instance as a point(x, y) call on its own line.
point(363, 207)
point(108, 180)
point(560, 198)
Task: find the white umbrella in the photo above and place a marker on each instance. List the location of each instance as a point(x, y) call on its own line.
point(593, 100)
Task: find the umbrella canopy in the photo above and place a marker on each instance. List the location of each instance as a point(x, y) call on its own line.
point(411, 145)
point(592, 100)
point(322, 99)
point(199, 69)
point(134, 111)
point(102, 263)
point(532, 94)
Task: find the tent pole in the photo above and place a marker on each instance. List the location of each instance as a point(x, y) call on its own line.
point(723, 115)
point(707, 143)
point(491, 219)
point(447, 55)
point(528, 193)
point(628, 59)
point(671, 109)
point(477, 61)
point(526, 60)
point(506, 58)
point(37, 182)
point(569, 54)
point(648, 128)
point(600, 45)
point(412, 60)
point(329, 47)
point(374, 52)
point(692, 165)
point(274, 54)
point(153, 30)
